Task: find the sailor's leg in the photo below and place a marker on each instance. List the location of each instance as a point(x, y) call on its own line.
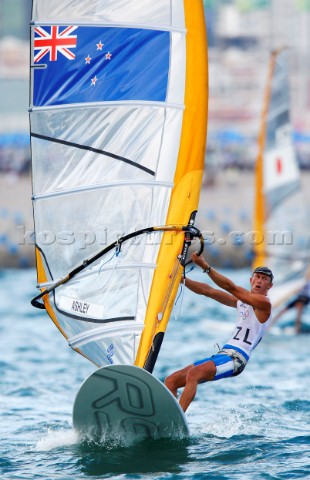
point(279, 315)
point(299, 308)
point(195, 375)
point(177, 380)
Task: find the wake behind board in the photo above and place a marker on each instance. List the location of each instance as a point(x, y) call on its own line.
point(126, 402)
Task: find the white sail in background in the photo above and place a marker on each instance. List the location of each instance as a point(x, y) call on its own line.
point(280, 212)
point(118, 117)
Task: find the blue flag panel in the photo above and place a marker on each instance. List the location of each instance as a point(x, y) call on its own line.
point(95, 64)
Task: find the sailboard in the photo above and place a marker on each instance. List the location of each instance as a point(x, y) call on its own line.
point(280, 217)
point(118, 121)
point(124, 403)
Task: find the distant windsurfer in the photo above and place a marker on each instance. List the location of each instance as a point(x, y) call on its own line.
point(299, 302)
point(253, 318)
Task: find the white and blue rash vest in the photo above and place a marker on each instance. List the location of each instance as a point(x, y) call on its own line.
point(248, 331)
point(305, 291)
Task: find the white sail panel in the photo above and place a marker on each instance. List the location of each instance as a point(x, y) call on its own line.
point(67, 236)
point(175, 93)
point(281, 171)
point(281, 167)
point(111, 11)
point(134, 133)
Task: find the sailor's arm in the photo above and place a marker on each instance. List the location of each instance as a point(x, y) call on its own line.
point(205, 289)
point(257, 301)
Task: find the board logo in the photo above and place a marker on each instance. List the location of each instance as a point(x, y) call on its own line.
point(130, 401)
point(110, 353)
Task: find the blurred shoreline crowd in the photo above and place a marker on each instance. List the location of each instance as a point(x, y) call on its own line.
point(241, 36)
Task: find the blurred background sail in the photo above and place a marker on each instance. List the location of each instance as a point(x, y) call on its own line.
point(280, 216)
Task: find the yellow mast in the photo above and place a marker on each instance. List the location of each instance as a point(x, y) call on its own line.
point(187, 183)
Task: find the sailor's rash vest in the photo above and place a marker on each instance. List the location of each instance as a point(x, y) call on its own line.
point(248, 330)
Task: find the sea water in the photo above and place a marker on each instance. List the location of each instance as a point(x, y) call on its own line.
point(254, 426)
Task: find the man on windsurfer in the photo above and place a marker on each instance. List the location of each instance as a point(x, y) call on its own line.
point(253, 318)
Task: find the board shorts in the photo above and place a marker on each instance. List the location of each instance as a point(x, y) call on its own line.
point(300, 299)
point(229, 362)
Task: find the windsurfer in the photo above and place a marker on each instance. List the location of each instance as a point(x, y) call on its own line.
point(299, 302)
point(254, 316)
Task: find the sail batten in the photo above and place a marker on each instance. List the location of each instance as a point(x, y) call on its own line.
point(102, 268)
point(118, 129)
point(92, 149)
point(128, 103)
point(99, 187)
point(146, 26)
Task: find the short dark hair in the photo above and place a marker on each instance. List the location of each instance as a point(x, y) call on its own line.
point(265, 271)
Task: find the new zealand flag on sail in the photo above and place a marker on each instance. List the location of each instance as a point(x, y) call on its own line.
point(95, 64)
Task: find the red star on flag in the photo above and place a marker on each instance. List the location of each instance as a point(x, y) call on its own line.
point(94, 80)
point(99, 45)
point(108, 56)
point(279, 166)
point(88, 59)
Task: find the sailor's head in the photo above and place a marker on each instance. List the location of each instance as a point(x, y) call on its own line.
point(264, 271)
point(261, 280)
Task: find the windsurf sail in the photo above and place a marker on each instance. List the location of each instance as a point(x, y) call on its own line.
point(280, 222)
point(118, 120)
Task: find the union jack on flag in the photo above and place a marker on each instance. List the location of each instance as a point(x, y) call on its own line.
point(54, 42)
